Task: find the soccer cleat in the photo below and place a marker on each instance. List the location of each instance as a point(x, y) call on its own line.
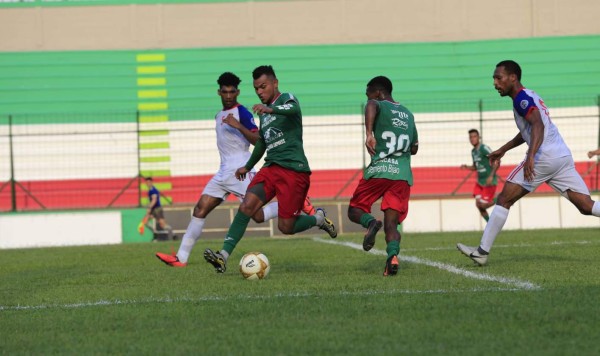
point(171, 260)
point(391, 266)
point(327, 224)
point(308, 208)
point(369, 239)
point(215, 259)
point(473, 253)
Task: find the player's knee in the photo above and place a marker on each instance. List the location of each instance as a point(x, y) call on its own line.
point(286, 230)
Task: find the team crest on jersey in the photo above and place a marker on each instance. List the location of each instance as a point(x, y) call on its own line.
point(524, 104)
point(268, 119)
point(272, 134)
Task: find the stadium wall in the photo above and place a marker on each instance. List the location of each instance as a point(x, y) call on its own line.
point(47, 27)
point(425, 215)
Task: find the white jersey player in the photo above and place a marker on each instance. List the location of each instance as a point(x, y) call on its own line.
point(548, 159)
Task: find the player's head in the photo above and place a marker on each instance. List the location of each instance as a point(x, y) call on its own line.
point(379, 88)
point(228, 89)
point(474, 137)
point(507, 78)
point(149, 181)
point(266, 84)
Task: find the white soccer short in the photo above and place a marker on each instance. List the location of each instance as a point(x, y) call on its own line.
point(224, 183)
point(559, 173)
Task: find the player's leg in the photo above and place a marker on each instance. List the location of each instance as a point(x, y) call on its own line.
point(359, 209)
point(584, 203)
point(291, 188)
point(395, 207)
point(249, 206)
point(159, 215)
point(569, 184)
point(392, 239)
point(257, 195)
point(485, 201)
point(203, 207)
point(510, 194)
point(268, 212)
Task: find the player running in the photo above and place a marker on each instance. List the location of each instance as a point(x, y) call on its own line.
point(548, 160)
point(392, 139)
point(235, 130)
point(285, 173)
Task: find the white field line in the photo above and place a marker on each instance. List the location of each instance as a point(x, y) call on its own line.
point(167, 300)
point(553, 243)
point(443, 266)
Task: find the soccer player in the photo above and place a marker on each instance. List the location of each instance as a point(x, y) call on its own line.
point(548, 159)
point(285, 173)
point(487, 180)
point(235, 130)
point(155, 210)
point(392, 139)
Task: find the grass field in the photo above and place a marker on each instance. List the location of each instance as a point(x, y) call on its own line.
point(539, 295)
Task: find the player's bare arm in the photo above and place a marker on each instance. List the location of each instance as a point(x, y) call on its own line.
point(370, 115)
point(414, 148)
point(591, 154)
point(251, 136)
point(537, 137)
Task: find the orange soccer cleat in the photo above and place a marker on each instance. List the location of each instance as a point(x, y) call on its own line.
point(171, 260)
point(308, 208)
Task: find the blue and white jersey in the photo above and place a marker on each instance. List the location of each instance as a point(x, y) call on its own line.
point(233, 146)
point(553, 145)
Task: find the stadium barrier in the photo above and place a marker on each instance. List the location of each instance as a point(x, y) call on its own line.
point(97, 160)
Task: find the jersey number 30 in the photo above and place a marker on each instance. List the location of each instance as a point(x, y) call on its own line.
point(396, 145)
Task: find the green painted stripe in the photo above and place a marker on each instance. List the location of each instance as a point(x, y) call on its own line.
point(155, 159)
point(156, 173)
point(154, 145)
point(154, 118)
point(145, 82)
point(150, 57)
point(154, 133)
point(86, 86)
point(153, 106)
point(151, 70)
point(152, 94)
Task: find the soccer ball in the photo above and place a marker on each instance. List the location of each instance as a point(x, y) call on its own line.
point(254, 265)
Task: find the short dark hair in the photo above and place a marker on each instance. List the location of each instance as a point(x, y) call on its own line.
point(148, 178)
point(511, 67)
point(261, 70)
point(381, 83)
point(228, 79)
point(474, 130)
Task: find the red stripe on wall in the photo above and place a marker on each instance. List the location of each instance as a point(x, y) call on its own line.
point(325, 184)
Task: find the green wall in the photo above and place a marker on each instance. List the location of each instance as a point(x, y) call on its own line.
point(328, 79)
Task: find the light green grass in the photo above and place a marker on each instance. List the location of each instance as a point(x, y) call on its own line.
point(319, 299)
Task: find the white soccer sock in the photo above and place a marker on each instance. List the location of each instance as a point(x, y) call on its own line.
point(596, 209)
point(192, 234)
point(494, 226)
point(270, 210)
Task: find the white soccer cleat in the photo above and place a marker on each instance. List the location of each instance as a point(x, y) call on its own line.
point(473, 253)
